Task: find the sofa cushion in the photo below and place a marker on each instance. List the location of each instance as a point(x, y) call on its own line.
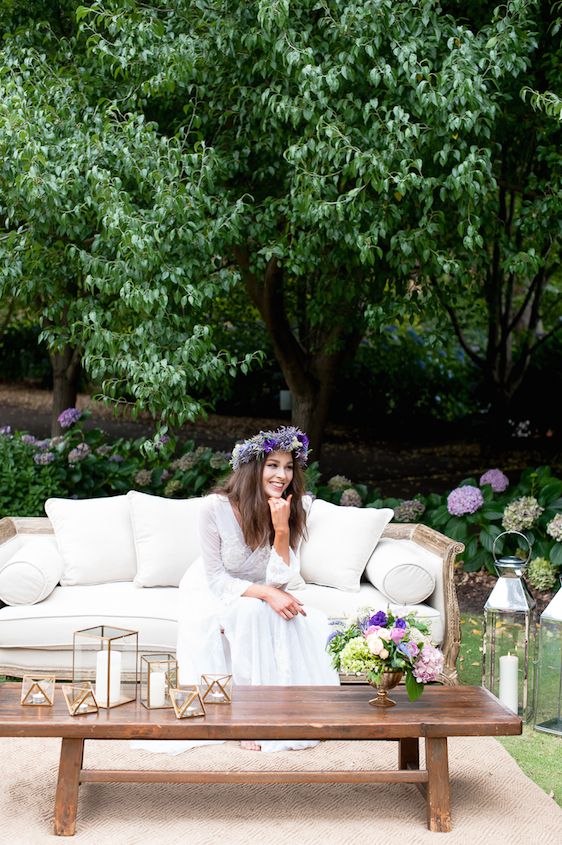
point(166, 536)
point(32, 572)
point(94, 538)
point(402, 570)
point(339, 543)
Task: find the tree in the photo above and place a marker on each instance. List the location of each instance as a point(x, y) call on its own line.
point(356, 134)
point(109, 228)
point(338, 159)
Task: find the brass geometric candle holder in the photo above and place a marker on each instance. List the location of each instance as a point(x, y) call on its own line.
point(80, 699)
point(38, 690)
point(187, 702)
point(217, 689)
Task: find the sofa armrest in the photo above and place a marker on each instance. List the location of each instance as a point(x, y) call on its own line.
point(10, 526)
point(447, 549)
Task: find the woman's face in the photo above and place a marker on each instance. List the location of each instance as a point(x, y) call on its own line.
point(277, 473)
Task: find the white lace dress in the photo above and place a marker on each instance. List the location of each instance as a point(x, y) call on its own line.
point(258, 646)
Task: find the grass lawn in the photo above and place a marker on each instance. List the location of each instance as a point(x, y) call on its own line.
point(538, 754)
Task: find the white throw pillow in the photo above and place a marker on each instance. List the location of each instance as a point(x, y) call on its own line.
point(32, 573)
point(340, 542)
point(403, 571)
point(166, 535)
point(95, 539)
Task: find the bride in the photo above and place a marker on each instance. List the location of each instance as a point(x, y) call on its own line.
point(237, 614)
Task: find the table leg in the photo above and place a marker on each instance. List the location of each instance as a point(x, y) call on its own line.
point(438, 786)
point(66, 801)
point(408, 754)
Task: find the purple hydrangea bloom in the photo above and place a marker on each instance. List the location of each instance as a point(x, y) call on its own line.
point(43, 458)
point(117, 459)
point(496, 479)
point(28, 439)
point(79, 453)
point(465, 499)
point(69, 417)
point(6, 429)
point(380, 618)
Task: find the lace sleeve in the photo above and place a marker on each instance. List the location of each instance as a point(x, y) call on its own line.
point(225, 586)
point(278, 573)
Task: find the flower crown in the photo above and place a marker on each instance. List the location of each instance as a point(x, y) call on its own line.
point(284, 439)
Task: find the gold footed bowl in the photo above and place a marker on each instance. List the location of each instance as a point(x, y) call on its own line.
point(388, 681)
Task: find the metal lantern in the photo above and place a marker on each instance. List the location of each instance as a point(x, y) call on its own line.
point(158, 672)
point(38, 690)
point(187, 702)
point(107, 657)
point(80, 699)
point(509, 633)
point(548, 688)
point(216, 689)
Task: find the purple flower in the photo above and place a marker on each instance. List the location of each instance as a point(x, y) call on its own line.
point(6, 429)
point(400, 623)
point(397, 634)
point(496, 479)
point(28, 439)
point(269, 445)
point(43, 458)
point(410, 649)
point(332, 635)
point(429, 664)
point(116, 458)
point(68, 417)
point(466, 499)
point(380, 618)
point(161, 442)
point(79, 453)
point(43, 444)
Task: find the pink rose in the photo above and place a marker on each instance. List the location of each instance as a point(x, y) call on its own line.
point(397, 634)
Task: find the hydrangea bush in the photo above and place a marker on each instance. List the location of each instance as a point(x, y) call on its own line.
point(84, 463)
point(378, 642)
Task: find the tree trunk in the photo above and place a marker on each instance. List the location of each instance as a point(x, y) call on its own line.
point(66, 372)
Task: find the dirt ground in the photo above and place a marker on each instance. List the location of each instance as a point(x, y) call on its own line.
point(394, 468)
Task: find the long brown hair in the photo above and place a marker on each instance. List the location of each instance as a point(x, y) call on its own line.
point(244, 489)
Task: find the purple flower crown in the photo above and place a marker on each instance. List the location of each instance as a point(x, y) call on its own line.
point(284, 439)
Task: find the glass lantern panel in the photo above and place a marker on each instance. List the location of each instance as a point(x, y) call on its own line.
point(107, 657)
point(548, 697)
point(508, 655)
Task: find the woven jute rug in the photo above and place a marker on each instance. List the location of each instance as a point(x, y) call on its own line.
point(492, 800)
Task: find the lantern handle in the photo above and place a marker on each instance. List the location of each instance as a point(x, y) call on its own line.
point(523, 563)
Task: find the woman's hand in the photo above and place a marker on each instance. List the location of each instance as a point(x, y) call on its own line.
point(280, 510)
point(284, 603)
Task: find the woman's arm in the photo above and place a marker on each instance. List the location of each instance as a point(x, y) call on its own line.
point(224, 585)
point(280, 601)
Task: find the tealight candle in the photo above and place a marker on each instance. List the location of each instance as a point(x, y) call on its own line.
point(38, 698)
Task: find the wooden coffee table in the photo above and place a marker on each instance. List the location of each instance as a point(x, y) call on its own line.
point(335, 713)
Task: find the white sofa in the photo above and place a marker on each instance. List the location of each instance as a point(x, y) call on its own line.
point(118, 562)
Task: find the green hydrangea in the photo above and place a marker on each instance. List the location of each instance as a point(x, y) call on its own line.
point(356, 657)
point(338, 482)
point(521, 514)
point(541, 574)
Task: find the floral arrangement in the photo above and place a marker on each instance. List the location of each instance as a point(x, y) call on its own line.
point(380, 642)
point(284, 439)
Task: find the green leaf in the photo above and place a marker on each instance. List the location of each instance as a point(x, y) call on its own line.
point(413, 688)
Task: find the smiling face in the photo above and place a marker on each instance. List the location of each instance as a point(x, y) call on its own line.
point(277, 473)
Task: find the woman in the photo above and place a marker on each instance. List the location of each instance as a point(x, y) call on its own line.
point(237, 615)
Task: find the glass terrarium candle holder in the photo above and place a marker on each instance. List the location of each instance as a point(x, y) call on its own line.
point(216, 689)
point(38, 690)
point(187, 702)
point(80, 699)
point(509, 633)
point(158, 673)
point(548, 688)
point(107, 657)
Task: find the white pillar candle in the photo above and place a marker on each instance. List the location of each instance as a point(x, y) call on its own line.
point(157, 689)
point(509, 669)
point(102, 661)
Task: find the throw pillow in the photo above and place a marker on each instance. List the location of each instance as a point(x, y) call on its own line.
point(166, 535)
point(31, 573)
point(403, 571)
point(94, 538)
point(340, 542)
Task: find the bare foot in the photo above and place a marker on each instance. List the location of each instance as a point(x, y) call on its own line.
point(250, 745)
